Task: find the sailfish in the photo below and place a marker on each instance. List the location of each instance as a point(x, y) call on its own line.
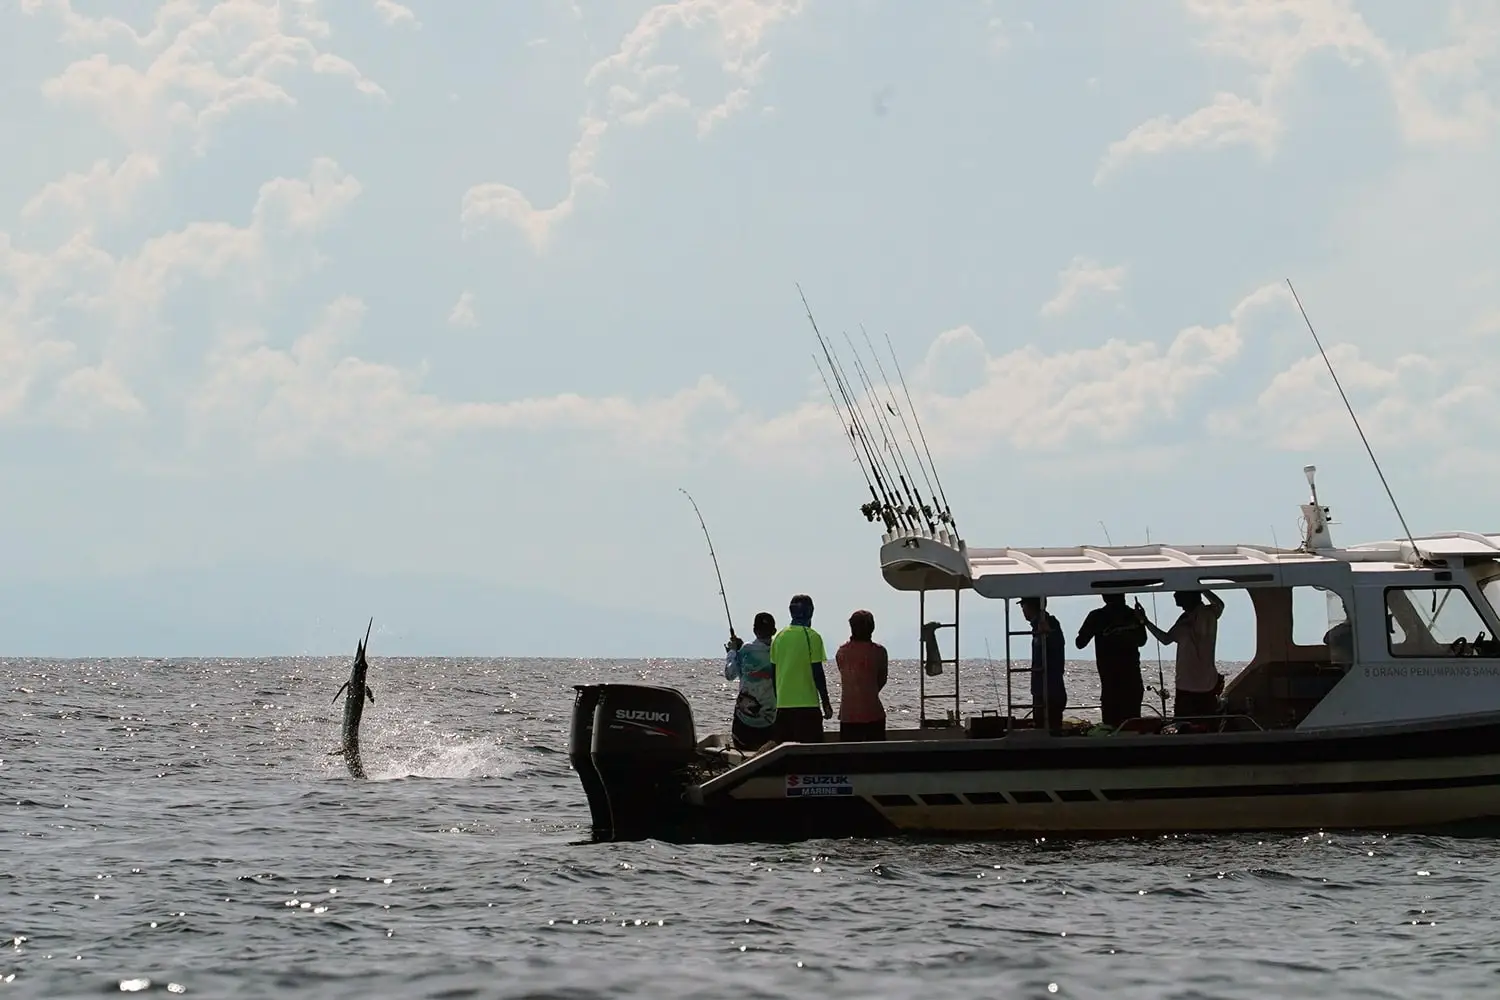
point(354, 708)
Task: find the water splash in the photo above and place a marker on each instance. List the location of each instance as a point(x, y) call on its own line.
point(405, 740)
point(444, 758)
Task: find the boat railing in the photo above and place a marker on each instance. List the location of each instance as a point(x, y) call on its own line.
point(1220, 719)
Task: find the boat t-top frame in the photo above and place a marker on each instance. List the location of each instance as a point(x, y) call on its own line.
point(1386, 596)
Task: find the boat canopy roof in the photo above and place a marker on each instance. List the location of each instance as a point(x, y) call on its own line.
point(923, 562)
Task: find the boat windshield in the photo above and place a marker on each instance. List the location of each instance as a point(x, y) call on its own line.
point(1491, 591)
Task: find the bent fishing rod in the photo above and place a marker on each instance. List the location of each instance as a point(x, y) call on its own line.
point(715, 558)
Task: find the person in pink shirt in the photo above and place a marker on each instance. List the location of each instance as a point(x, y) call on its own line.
point(863, 668)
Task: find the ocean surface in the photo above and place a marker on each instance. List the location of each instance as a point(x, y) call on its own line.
point(178, 827)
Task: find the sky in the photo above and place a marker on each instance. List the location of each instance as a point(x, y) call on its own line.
point(316, 311)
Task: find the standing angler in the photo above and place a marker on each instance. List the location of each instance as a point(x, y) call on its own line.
point(354, 708)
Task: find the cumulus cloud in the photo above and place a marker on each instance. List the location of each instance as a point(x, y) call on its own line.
point(394, 14)
point(485, 203)
point(322, 393)
point(640, 83)
point(94, 397)
point(1001, 33)
point(1080, 278)
point(81, 322)
point(252, 254)
point(462, 313)
point(1412, 401)
point(90, 317)
point(319, 394)
point(971, 400)
point(192, 68)
point(26, 356)
point(1034, 400)
point(1225, 121)
point(101, 193)
point(1440, 94)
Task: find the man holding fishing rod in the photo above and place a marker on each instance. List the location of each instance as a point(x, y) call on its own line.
point(750, 664)
point(781, 673)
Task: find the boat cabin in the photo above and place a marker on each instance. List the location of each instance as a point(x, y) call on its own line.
point(1405, 629)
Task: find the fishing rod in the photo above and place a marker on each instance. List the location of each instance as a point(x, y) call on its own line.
point(891, 405)
point(869, 510)
point(715, 558)
point(947, 515)
point(892, 442)
point(904, 471)
point(886, 508)
point(851, 428)
point(1161, 676)
point(856, 432)
point(993, 682)
point(863, 424)
point(848, 431)
point(1348, 406)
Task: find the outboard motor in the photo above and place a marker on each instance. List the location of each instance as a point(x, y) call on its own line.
point(630, 745)
point(580, 752)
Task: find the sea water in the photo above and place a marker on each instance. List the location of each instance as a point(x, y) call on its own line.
point(178, 827)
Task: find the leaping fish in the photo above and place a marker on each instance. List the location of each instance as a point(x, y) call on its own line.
point(354, 708)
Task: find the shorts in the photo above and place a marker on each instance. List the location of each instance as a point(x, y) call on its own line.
point(748, 737)
point(799, 725)
point(1193, 703)
point(862, 732)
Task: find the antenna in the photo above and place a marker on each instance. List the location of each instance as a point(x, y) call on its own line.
point(1352, 417)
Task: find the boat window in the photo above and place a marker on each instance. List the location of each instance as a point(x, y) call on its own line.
point(1316, 614)
point(1491, 592)
point(1427, 621)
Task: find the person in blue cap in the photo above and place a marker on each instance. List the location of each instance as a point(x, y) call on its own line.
point(797, 657)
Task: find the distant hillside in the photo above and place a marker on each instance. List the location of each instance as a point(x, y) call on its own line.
point(259, 611)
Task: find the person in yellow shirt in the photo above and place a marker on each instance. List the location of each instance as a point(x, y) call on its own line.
point(797, 656)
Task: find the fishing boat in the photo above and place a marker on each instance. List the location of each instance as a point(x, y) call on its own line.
point(1388, 719)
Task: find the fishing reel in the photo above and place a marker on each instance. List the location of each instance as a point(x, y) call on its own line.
point(885, 512)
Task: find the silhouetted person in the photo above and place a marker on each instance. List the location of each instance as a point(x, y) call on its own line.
point(1118, 636)
point(1049, 695)
point(1196, 633)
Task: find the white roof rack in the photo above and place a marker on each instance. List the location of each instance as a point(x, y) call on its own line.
point(1443, 545)
point(918, 562)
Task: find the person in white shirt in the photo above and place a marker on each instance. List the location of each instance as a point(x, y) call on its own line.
point(1196, 633)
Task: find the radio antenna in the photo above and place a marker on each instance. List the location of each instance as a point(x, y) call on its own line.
point(1352, 417)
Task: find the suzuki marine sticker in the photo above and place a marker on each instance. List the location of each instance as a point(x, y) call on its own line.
point(810, 785)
